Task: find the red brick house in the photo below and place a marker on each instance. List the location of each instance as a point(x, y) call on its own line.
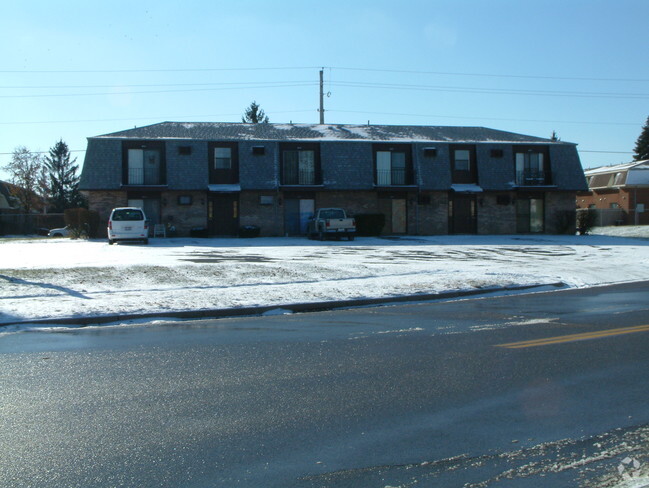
point(620, 193)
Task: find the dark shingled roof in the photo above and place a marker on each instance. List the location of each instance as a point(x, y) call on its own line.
point(316, 132)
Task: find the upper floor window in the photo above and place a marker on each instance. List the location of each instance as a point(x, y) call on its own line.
point(300, 165)
point(143, 163)
point(223, 163)
point(463, 164)
point(222, 158)
point(532, 167)
point(393, 165)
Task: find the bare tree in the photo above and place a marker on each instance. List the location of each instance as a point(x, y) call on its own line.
point(27, 176)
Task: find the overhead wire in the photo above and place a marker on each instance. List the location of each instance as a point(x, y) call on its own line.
point(338, 83)
point(495, 75)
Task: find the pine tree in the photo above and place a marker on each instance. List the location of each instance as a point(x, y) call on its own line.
point(63, 180)
point(642, 144)
point(254, 115)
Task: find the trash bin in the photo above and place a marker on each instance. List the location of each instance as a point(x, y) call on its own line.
point(198, 232)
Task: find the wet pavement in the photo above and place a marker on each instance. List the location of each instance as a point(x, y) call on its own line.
point(406, 395)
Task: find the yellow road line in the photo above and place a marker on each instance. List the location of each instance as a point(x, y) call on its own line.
point(575, 337)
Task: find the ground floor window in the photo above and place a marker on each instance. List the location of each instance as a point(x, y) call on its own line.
point(529, 214)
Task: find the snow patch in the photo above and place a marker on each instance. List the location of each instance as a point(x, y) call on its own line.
point(44, 278)
point(277, 311)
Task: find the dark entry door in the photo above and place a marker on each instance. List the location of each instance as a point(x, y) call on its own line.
point(223, 215)
point(463, 214)
point(399, 216)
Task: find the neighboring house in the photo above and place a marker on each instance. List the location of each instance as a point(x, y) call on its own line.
point(425, 180)
point(620, 193)
point(9, 199)
point(6, 200)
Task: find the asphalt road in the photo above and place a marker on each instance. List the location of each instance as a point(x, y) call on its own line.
point(546, 389)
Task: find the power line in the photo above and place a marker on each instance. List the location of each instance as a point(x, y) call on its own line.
point(238, 87)
point(347, 84)
point(590, 122)
point(606, 152)
point(491, 91)
point(155, 85)
point(197, 117)
point(157, 70)
point(43, 152)
point(342, 68)
point(492, 75)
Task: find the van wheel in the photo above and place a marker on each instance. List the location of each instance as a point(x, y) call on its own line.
point(111, 242)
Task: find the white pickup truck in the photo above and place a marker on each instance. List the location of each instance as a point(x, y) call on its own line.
point(331, 222)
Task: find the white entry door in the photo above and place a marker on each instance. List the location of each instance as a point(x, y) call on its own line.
point(307, 208)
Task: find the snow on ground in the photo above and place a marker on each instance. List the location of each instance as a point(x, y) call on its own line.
point(53, 278)
point(623, 231)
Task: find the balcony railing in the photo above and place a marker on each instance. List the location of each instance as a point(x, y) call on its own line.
point(144, 176)
point(295, 176)
point(532, 178)
point(391, 177)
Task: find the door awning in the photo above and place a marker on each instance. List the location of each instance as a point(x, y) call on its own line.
point(224, 188)
point(467, 188)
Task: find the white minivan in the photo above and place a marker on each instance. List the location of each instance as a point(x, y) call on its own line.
point(128, 224)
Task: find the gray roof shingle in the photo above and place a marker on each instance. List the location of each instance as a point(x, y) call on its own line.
point(316, 132)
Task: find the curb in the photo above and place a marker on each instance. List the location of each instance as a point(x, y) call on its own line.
point(293, 308)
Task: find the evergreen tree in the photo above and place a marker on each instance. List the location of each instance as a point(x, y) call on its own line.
point(642, 144)
point(254, 115)
point(63, 180)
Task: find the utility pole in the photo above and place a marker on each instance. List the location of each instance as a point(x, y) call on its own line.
point(321, 97)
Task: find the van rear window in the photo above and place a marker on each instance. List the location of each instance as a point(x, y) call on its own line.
point(126, 214)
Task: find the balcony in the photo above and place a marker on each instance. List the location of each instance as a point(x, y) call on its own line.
point(301, 176)
point(144, 176)
point(391, 177)
point(531, 177)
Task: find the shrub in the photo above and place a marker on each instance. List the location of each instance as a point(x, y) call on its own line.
point(369, 224)
point(565, 222)
point(82, 222)
point(586, 218)
point(199, 232)
point(249, 231)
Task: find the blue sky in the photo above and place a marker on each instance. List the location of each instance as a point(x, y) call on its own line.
point(75, 69)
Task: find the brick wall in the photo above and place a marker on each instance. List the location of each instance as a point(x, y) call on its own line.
point(558, 205)
point(184, 217)
point(105, 201)
point(433, 213)
point(269, 217)
point(496, 213)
